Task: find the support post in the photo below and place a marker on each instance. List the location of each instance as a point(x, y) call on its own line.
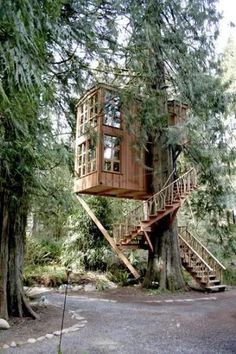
point(108, 237)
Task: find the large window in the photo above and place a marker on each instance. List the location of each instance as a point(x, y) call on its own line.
point(111, 153)
point(112, 114)
point(88, 112)
point(86, 158)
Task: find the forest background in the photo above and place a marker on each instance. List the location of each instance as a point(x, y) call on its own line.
point(49, 57)
point(60, 233)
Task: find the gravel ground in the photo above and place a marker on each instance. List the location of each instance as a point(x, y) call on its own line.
point(186, 323)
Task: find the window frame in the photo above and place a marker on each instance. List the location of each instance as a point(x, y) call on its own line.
point(113, 95)
point(88, 112)
point(87, 165)
point(112, 159)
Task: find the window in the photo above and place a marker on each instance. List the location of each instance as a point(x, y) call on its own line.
point(88, 111)
point(112, 114)
point(111, 153)
point(86, 158)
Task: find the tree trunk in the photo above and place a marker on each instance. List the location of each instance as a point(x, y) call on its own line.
point(164, 265)
point(4, 222)
point(13, 224)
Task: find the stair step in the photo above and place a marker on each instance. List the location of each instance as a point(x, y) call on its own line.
point(211, 276)
point(215, 288)
point(214, 282)
point(170, 205)
point(152, 216)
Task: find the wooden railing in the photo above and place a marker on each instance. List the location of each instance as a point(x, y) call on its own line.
point(168, 179)
point(186, 253)
point(166, 196)
point(202, 251)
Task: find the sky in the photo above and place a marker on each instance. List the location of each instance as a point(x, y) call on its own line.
point(228, 10)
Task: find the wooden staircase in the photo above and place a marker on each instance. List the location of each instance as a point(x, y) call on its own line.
point(133, 233)
point(199, 262)
point(140, 220)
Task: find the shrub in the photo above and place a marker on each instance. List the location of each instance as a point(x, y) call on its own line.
point(42, 251)
point(230, 276)
point(46, 275)
point(119, 276)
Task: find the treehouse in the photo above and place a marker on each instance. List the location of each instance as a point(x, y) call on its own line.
point(108, 161)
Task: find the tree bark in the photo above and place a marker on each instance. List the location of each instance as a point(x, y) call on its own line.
point(4, 222)
point(13, 224)
point(164, 265)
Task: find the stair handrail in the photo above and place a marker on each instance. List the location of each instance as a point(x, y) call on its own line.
point(193, 250)
point(174, 182)
point(204, 247)
point(168, 179)
point(161, 193)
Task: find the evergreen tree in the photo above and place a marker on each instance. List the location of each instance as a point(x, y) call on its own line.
point(46, 48)
point(170, 53)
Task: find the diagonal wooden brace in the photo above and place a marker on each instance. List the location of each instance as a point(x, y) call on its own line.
point(148, 240)
point(108, 237)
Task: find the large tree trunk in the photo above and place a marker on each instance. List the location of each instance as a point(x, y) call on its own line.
point(13, 223)
point(164, 266)
point(4, 223)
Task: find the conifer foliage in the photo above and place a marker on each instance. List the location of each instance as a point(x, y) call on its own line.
point(44, 54)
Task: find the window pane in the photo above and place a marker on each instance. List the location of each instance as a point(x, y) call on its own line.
point(107, 153)
point(112, 115)
point(116, 154)
point(94, 165)
point(116, 166)
point(107, 165)
point(86, 158)
point(111, 153)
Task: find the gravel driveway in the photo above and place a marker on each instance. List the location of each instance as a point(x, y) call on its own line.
point(187, 323)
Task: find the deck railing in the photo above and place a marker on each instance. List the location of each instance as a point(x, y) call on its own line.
point(166, 196)
point(202, 251)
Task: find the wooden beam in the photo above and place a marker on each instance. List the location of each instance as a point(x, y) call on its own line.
point(172, 217)
point(108, 237)
point(148, 240)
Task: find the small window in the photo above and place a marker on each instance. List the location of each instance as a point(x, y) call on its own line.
point(111, 153)
point(112, 114)
point(88, 114)
point(86, 158)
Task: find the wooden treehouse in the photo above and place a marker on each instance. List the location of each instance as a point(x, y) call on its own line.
point(108, 163)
